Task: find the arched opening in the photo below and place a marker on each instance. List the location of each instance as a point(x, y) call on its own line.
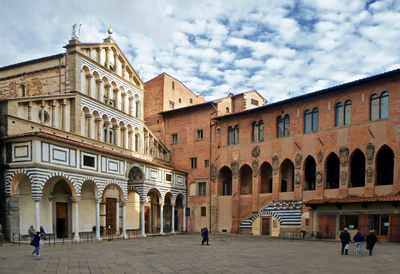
point(23, 215)
point(287, 176)
point(265, 178)
point(384, 166)
point(332, 167)
point(246, 175)
point(179, 213)
point(87, 206)
point(135, 175)
point(112, 196)
point(167, 215)
point(225, 181)
point(357, 169)
point(132, 209)
point(152, 211)
point(310, 169)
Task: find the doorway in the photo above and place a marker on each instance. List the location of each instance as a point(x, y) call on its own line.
point(146, 219)
point(111, 207)
point(265, 226)
point(62, 220)
point(380, 223)
point(327, 226)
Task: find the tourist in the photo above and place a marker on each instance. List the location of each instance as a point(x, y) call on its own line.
point(371, 240)
point(42, 233)
point(345, 239)
point(36, 243)
point(358, 238)
point(32, 231)
point(205, 235)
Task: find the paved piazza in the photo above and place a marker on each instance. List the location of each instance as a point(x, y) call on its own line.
point(185, 254)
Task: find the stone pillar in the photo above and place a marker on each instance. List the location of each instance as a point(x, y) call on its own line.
point(123, 70)
point(29, 111)
point(124, 133)
point(131, 108)
point(184, 218)
point(107, 91)
point(99, 90)
point(37, 215)
point(116, 98)
point(98, 237)
point(108, 57)
point(124, 220)
point(173, 219)
point(76, 221)
point(131, 140)
point(90, 130)
point(117, 135)
point(117, 218)
point(53, 114)
point(99, 133)
point(142, 223)
point(89, 85)
point(42, 112)
point(107, 137)
point(123, 102)
point(64, 115)
point(161, 218)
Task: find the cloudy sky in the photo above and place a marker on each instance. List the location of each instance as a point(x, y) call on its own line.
point(280, 48)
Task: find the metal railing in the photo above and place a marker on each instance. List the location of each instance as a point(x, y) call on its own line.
point(300, 235)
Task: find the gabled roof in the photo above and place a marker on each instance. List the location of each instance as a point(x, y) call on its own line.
point(313, 94)
point(33, 61)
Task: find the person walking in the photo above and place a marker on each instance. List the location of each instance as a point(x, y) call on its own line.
point(36, 243)
point(371, 241)
point(42, 233)
point(205, 236)
point(32, 231)
point(345, 239)
point(358, 238)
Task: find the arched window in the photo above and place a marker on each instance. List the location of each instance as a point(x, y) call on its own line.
point(283, 125)
point(287, 176)
point(357, 169)
point(225, 181)
point(246, 176)
point(309, 173)
point(339, 114)
point(332, 168)
point(379, 106)
point(266, 178)
point(258, 131)
point(384, 166)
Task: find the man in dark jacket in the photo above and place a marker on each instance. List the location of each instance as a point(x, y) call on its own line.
point(205, 236)
point(371, 240)
point(36, 243)
point(345, 239)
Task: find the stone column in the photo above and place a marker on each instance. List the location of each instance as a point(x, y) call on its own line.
point(99, 132)
point(53, 114)
point(89, 85)
point(108, 57)
point(42, 112)
point(64, 115)
point(29, 111)
point(124, 220)
point(108, 93)
point(116, 98)
point(142, 223)
point(37, 215)
point(76, 221)
point(107, 137)
point(123, 70)
point(98, 237)
point(184, 218)
point(131, 139)
point(173, 219)
point(161, 218)
point(123, 102)
point(99, 90)
point(124, 132)
point(89, 125)
point(117, 218)
point(117, 134)
point(131, 108)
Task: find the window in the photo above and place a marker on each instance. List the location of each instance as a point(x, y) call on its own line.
point(283, 125)
point(233, 135)
point(206, 163)
point(343, 114)
point(202, 189)
point(203, 211)
point(88, 161)
point(350, 221)
point(180, 100)
point(227, 110)
point(384, 166)
point(254, 102)
point(218, 131)
point(23, 91)
point(379, 106)
point(191, 100)
point(112, 103)
point(174, 138)
point(173, 85)
point(168, 177)
point(258, 132)
point(199, 134)
point(171, 105)
point(193, 163)
point(311, 120)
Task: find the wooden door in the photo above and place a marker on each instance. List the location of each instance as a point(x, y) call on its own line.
point(265, 226)
point(363, 224)
point(111, 206)
point(394, 229)
point(62, 220)
point(327, 226)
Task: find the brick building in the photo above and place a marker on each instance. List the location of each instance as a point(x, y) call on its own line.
point(316, 162)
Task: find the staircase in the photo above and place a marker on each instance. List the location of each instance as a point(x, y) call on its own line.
point(288, 214)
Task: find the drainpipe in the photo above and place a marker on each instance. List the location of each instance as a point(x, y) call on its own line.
point(209, 166)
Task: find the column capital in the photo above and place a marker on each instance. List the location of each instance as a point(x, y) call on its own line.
point(107, 85)
point(123, 128)
point(98, 120)
point(107, 123)
point(116, 89)
point(89, 76)
point(89, 116)
point(99, 81)
point(115, 126)
point(75, 199)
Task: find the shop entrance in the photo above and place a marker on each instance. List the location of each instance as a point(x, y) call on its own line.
point(380, 223)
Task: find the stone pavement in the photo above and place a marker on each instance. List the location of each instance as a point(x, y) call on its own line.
point(185, 254)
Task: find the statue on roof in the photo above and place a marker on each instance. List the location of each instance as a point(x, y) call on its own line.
point(76, 29)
